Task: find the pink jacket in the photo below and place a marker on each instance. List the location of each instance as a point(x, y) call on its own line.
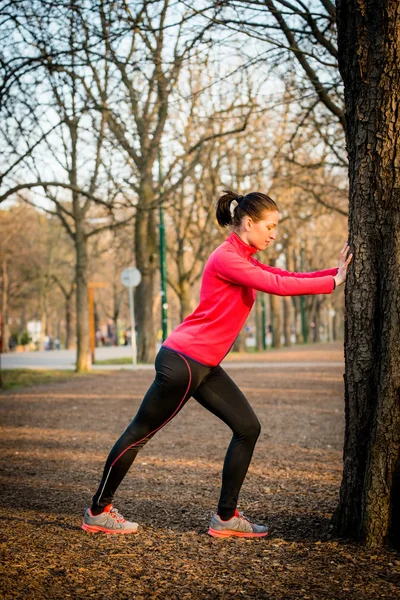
point(228, 291)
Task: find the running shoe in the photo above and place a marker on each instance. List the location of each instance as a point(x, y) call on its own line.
point(109, 521)
point(238, 526)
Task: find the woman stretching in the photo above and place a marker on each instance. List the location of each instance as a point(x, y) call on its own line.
point(188, 363)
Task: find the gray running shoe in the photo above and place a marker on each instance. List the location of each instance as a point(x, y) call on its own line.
point(109, 521)
point(237, 526)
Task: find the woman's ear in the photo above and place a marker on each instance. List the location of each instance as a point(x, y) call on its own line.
point(248, 223)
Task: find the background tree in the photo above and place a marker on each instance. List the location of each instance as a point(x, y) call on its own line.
point(61, 159)
point(13, 281)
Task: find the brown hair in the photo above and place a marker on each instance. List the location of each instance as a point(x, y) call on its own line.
point(254, 205)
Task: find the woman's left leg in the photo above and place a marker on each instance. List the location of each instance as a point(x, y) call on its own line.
point(220, 395)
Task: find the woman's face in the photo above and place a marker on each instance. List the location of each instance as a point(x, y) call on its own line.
point(262, 233)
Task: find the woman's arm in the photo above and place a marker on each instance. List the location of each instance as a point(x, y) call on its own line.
point(283, 273)
point(236, 269)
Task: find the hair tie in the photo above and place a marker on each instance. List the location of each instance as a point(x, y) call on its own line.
point(232, 207)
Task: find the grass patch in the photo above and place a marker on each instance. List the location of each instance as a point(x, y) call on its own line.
point(15, 378)
point(123, 360)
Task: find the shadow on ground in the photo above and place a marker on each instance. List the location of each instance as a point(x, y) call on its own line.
point(55, 439)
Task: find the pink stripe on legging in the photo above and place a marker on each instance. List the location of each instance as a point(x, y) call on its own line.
point(165, 422)
point(151, 432)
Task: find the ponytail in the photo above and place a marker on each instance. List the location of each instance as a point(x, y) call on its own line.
point(225, 210)
point(231, 207)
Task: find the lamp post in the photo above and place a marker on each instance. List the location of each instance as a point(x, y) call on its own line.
point(163, 260)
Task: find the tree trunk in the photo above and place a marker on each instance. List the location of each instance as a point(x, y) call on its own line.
point(185, 299)
point(317, 320)
point(43, 318)
point(146, 262)
point(240, 342)
point(83, 359)
point(369, 58)
point(286, 320)
point(260, 333)
point(275, 303)
point(335, 327)
point(297, 319)
point(5, 328)
point(69, 324)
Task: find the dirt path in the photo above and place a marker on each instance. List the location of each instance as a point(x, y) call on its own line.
point(55, 438)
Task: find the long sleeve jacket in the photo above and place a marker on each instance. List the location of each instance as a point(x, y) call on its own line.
point(230, 280)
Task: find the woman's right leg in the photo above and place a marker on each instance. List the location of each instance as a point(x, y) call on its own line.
point(176, 378)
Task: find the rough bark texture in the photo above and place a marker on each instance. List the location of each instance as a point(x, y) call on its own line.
point(5, 328)
point(146, 262)
point(317, 320)
point(260, 333)
point(286, 319)
point(69, 325)
point(185, 298)
point(240, 342)
point(275, 304)
point(297, 313)
point(369, 58)
point(83, 359)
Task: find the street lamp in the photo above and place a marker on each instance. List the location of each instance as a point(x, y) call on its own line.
point(163, 261)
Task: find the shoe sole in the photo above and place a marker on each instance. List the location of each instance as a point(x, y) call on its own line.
point(97, 529)
point(231, 533)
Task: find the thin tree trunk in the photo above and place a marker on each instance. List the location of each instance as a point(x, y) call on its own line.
point(334, 326)
point(185, 299)
point(317, 320)
point(286, 320)
point(369, 57)
point(276, 321)
point(260, 333)
point(69, 324)
point(240, 342)
point(146, 261)
point(43, 321)
point(5, 329)
point(83, 359)
point(297, 319)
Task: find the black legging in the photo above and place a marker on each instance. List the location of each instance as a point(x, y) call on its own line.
point(177, 379)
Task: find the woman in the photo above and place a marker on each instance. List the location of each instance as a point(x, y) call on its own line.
point(188, 363)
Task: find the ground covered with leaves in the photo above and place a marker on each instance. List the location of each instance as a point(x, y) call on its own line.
point(54, 441)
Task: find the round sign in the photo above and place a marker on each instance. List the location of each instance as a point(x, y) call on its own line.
point(131, 277)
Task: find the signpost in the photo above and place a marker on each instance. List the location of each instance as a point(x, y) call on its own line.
point(131, 277)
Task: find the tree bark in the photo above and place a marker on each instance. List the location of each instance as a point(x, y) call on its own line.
point(297, 319)
point(5, 328)
point(260, 334)
point(146, 262)
point(83, 359)
point(240, 342)
point(69, 324)
point(185, 299)
point(369, 58)
point(43, 320)
point(286, 320)
point(317, 320)
point(276, 321)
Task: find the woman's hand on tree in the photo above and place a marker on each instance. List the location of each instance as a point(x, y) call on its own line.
point(344, 261)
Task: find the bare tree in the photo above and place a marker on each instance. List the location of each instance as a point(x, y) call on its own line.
point(38, 93)
point(148, 45)
point(295, 43)
point(12, 281)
